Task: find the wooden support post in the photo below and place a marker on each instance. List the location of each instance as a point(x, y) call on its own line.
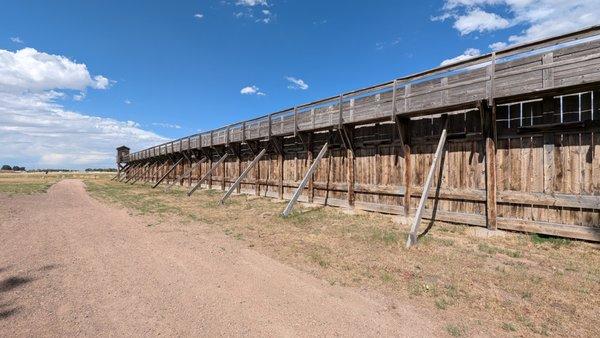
point(257, 181)
point(187, 173)
point(280, 162)
point(407, 179)
point(239, 172)
point(489, 122)
point(243, 175)
point(311, 180)
point(350, 176)
point(309, 173)
point(403, 128)
point(412, 236)
point(207, 174)
point(223, 176)
point(167, 173)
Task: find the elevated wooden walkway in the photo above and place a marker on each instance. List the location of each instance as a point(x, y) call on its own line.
point(521, 145)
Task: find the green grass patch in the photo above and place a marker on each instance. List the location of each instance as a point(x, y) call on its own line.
point(556, 242)
point(492, 250)
point(24, 188)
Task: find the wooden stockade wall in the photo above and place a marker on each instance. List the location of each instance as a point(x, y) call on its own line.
point(523, 149)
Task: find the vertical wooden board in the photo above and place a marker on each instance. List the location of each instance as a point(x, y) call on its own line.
point(503, 167)
point(526, 172)
point(515, 172)
point(575, 173)
point(443, 204)
point(539, 213)
point(561, 183)
point(589, 217)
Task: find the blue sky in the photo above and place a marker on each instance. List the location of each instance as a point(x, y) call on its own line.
point(78, 78)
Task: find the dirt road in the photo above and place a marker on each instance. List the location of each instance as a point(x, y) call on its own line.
point(70, 265)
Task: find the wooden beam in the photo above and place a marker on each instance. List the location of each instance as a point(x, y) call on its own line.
point(412, 236)
point(137, 172)
point(309, 158)
point(120, 170)
point(280, 164)
point(141, 174)
point(131, 170)
point(403, 135)
point(309, 173)
point(123, 172)
point(350, 176)
point(243, 175)
point(167, 173)
point(489, 120)
point(186, 174)
point(223, 176)
point(209, 172)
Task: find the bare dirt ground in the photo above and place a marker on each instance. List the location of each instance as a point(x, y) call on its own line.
point(70, 265)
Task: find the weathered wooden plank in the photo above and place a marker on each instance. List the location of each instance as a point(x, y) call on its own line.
point(489, 117)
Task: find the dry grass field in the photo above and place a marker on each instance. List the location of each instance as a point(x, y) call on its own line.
point(513, 284)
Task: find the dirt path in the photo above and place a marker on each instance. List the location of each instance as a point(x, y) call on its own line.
point(70, 265)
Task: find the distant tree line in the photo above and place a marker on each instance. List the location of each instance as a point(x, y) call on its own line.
point(102, 169)
point(13, 168)
point(7, 167)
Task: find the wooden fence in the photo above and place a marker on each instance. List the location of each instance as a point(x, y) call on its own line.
point(523, 149)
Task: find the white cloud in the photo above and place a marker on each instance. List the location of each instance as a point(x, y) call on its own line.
point(252, 10)
point(252, 3)
point(467, 54)
point(16, 39)
point(37, 131)
point(28, 69)
point(79, 97)
point(498, 45)
point(296, 83)
point(198, 15)
point(127, 101)
point(478, 20)
point(166, 125)
point(538, 18)
point(251, 90)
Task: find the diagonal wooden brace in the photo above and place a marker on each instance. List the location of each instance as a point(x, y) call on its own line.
point(142, 172)
point(311, 170)
point(186, 174)
point(167, 173)
point(139, 170)
point(412, 236)
point(132, 168)
point(208, 173)
point(243, 175)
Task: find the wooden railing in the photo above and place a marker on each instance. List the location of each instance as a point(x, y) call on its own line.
point(526, 70)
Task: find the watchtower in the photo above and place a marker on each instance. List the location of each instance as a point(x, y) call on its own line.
point(122, 156)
